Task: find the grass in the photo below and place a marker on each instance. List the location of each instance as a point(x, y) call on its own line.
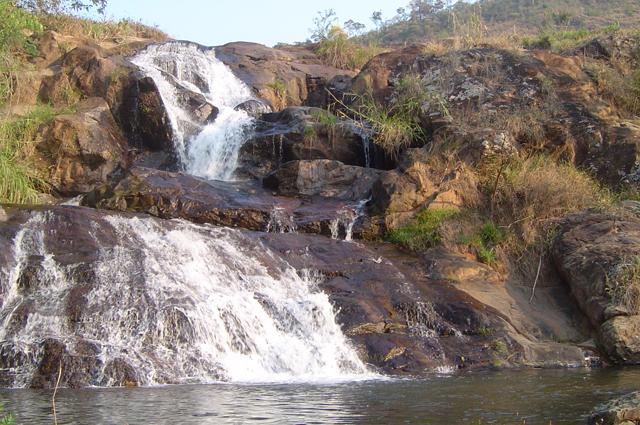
point(425, 231)
point(101, 30)
point(623, 285)
point(485, 241)
point(20, 179)
point(339, 51)
point(617, 83)
point(529, 195)
point(559, 40)
point(279, 90)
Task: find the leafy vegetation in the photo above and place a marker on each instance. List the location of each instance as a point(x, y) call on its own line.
point(338, 50)
point(20, 181)
point(424, 231)
point(485, 241)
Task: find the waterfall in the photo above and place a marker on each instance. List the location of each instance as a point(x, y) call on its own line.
point(177, 302)
point(178, 66)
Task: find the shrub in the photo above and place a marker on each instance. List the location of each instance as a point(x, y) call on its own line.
point(531, 194)
point(20, 181)
point(13, 24)
point(557, 40)
point(624, 285)
point(425, 230)
point(622, 89)
point(485, 241)
point(339, 51)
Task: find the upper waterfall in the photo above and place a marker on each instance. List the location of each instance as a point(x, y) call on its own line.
point(172, 301)
point(213, 151)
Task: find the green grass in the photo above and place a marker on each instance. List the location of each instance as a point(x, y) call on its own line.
point(558, 40)
point(425, 230)
point(485, 241)
point(20, 181)
point(325, 118)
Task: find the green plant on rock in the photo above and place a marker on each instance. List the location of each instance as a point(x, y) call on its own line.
point(424, 231)
point(309, 134)
point(485, 241)
point(20, 180)
point(279, 89)
point(623, 285)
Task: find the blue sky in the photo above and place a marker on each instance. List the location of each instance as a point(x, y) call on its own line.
point(216, 22)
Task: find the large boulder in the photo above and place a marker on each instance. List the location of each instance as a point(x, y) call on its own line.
point(297, 70)
point(322, 177)
point(92, 71)
point(83, 149)
point(590, 250)
point(540, 100)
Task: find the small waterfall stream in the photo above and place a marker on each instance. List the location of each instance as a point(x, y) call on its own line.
point(177, 302)
point(176, 66)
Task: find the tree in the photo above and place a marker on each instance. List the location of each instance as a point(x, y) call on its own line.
point(61, 6)
point(353, 28)
point(420, 10)
point(376, 17)
point(322, 24)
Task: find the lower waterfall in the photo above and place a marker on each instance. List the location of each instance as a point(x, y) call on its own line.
point(174, 301)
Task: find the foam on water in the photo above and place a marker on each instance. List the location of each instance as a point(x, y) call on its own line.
point(182, 303)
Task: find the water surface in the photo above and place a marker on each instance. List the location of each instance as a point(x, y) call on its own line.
point(531, 397)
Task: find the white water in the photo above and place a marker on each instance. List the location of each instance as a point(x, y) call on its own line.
point(181, 303)
point(346, 219)
point(213, 152)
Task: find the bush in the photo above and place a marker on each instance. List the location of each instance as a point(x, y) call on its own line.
point(622, 89)
point(20, 181)
point(397, 123)
point(531, 194)
point(557, 40)
point(485, 241)
point(339, 51)
point(101, 30)
point(13, 24)
point(624, 285)
point(425, 231)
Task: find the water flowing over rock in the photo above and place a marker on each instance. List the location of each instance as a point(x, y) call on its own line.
point(186, 73)
point(144, 301)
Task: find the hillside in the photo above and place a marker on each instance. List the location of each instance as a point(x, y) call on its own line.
point(508, 16)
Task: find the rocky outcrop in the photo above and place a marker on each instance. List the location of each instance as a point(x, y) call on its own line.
point(302, 133)
point(541, 98)
point(91, 71)
point(403, 316)
point(84, 149)
point(589, 251)
point(322, 177)
point(624, 410)
point(290, 77)
point(414, 185)
point(177, 195)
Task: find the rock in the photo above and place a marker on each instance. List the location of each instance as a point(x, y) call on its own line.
point(175, 195)
point(548, 99)
point(3, 215)
point(322, 177)
point(624, 410)
point(254, 107)
point(588, 250)
point(83, 149)
point(620, 337)
point(299, 70)
point(618, 46)
point(298, 133)
point(91, 71)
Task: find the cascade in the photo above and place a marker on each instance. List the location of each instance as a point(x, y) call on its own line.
point(186, 303)
point(212, 152)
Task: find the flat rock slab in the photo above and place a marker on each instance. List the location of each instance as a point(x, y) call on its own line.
point(245, 205)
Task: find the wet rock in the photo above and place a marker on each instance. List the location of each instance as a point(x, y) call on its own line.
point(175, 195)
point(298, 133)
point(321, 177)
point(297, 70)
point(83, 149)
point(254, 107)
point(621, 411)
point(3, 215)
point(589, 250)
